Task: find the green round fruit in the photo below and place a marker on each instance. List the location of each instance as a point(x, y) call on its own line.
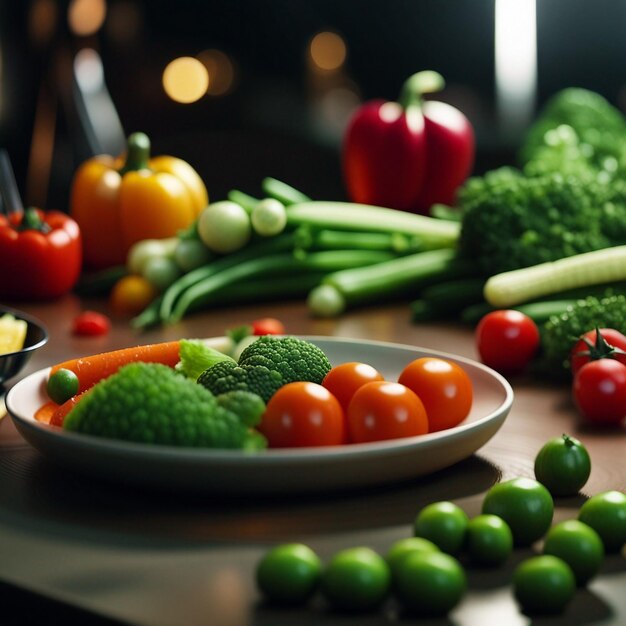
point(289, 573)
point(62, 385)
point(430, 583)
point(579, 546)
point(543, 584)
point(525, 505)
point(489, 540)
point(606, 514)
point(563, 466)
point(356, 579)
point(399, 551)
point(443, 523)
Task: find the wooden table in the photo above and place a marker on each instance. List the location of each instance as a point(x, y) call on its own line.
point(172, 559)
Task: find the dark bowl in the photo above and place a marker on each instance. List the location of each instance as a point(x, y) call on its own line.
point(12, 363)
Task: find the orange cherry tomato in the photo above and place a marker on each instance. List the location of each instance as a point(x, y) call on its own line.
point(385, 410)
point(343, 380)
point(444, 388)
point(303, 414)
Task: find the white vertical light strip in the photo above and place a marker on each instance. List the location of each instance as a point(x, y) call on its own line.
point(516, 62)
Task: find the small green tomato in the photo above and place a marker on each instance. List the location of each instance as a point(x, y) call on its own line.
point(161, 272)
point(289, 573)
point(489, 540)
point(269, 217)
point(443, 523)
point(62, 385)
point(224, 227)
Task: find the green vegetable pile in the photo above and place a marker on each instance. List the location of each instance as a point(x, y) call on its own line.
point(266, 365)
point(208, 400)
point(151, 403)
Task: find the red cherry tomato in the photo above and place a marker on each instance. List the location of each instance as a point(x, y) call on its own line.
point(268, 326)
point(443, 387)
point(343, 380)
point(91, 324)
point(600, 391)
point(303, 414)
point(385, 410)
point(580, 352)
point(507, 340)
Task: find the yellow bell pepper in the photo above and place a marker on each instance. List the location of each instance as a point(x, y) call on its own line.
point(118, 202)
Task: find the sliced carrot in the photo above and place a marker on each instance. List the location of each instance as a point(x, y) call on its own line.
point(45, 412)
point(92, 369)
point(62, 410)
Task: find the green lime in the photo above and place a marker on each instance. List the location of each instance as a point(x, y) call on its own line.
point(543, 584)
point(289, 573)
point(356, 579)
point(525, 505)
point(399, 550)
point(443, 523)
point(579, 546)
point(606, 514)
point(430, 583)
point(489, 540)
point(62, 385)
point(563, 466)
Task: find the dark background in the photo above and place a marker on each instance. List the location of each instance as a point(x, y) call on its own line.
point(270, 123)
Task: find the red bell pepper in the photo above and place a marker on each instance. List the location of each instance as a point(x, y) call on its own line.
point(40, 254)
point(409, 154)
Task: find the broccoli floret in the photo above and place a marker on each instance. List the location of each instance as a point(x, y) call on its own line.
point(246, 405)
point(598, 127)
point(511, 220)
point(151, 403)
point(560, 332)
point(266, 365)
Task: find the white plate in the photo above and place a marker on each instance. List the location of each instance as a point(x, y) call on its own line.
point(278, 471)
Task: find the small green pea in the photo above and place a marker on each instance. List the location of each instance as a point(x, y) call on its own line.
point(62, 385)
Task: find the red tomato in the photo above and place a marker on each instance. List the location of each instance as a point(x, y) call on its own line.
point(507, 340)
point(612, 337)
point(343, 380)
point(443, 387)
point(268, 326)
point(303, 414)
point(91, 323)
point(385, 410)
point(600, 391)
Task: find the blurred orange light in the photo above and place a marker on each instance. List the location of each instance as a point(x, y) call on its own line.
point(42, 20)
point(85, 17)
point(221, 71)
point(327, 51)
point(185, 80)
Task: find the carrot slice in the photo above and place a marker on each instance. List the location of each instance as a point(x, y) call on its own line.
point(62, 410)
point(45, 412)
point(92, 369)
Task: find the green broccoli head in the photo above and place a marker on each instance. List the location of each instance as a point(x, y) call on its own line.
point(248, 406)
point(599, 128)
point(266, 365)
point(561, 332)
point(511, 221)
point(151, 403)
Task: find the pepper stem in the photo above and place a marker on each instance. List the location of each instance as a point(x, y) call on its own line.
point(418, 84)
point(137, 154)
point(31, 220)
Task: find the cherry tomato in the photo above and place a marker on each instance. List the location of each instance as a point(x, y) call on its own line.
point(303, 414)
point(606, 514)
point(267, 326)
point(443, 387)
point(385, 410)
point(563, 466)
point(91, 324)
point(507, 340)
point(343, 380)
point(582, 353)
point(443, 523)
point(600, 391)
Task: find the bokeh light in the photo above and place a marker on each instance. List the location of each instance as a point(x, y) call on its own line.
point(221, 71)
point(42, 21)
point(327, 51)
point(185, 80)
point(86, 17)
